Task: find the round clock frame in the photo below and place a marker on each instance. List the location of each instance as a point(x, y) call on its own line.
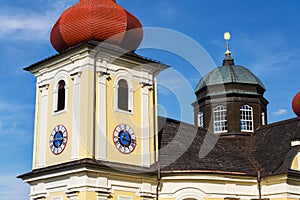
point(58, 139)
point(124, 138)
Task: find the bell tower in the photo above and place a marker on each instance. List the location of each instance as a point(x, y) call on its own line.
point(95, 117)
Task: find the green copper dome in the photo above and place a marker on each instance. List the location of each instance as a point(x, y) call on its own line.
point(229, 74)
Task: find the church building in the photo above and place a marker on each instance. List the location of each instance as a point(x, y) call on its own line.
point(98, 136)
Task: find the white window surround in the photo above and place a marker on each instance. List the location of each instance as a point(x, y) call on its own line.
point(220, 119)
point(130, 95)
point(57, 198)
point(189, 193)
point(201, 119)
point(60, 76)
point(124, 198)
point(246, 118)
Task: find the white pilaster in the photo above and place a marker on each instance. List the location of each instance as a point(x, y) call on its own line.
point(146, 192)
point(103, 188)
point(102, 113)
point(43, 127)
point(145, 127)
point(76, 116)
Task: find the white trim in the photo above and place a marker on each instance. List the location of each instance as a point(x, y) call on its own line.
point(57, 198)
point(121, 197)
point(187, 193)
point(201, 119)
point(221, 119)
point(130, 93)
point(76, 117)
point(43, 127)
point(263, 118)
point(62, 75)
point(145, 136)
point(102, 115)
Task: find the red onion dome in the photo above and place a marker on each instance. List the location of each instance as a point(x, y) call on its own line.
point(101, 20)
point(296, 104)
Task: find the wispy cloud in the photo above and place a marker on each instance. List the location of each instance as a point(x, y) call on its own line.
point(174, 83)
point(27, 24)
point(12, 188)
point(269, 52)
point(14, 117)
point(281, 111)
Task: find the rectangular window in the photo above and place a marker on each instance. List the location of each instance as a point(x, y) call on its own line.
point(220, 119)
point(200, 119)
point(246, 113)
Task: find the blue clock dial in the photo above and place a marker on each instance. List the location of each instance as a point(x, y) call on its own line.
point(58, 139)
point(124, 138)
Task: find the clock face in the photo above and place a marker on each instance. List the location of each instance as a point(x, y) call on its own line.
point(58, 139)
point(124, 138)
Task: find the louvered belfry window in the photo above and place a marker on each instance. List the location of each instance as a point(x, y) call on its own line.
point(123, 95)
point(61, 96)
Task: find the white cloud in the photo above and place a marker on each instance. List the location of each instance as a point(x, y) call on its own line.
point(28, 24)
point(12, 188)
point(281, 111)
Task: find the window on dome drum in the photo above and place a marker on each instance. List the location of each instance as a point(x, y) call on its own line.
point(61, 96)
point(220, 119)
point(123, 95)
point(200, 119)
point(246, 118)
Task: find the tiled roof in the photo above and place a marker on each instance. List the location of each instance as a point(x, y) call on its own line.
point(184, 147)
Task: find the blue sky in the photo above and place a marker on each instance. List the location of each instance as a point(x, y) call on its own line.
point(265, 39)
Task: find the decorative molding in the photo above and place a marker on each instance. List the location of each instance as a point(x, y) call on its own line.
point(130, 93)
point(61, 75)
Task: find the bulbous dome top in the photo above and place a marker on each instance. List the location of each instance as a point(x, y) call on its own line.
point(296, 104)
point(100, 20)
point(229, 74)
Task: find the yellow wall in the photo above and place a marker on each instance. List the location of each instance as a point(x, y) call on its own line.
point(57, 194)
point(54, 119)
point(86, 122)
point(295, 163)
point(125, 194)
point(133, 120)
point(86, 114)
point(87, 195)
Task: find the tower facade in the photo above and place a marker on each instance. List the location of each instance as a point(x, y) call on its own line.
point(95, 118)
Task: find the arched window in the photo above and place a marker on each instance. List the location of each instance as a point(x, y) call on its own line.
point(220, 119)
point(123, 95)
point(61, 96)
point(201, 119)
point(246, 118)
